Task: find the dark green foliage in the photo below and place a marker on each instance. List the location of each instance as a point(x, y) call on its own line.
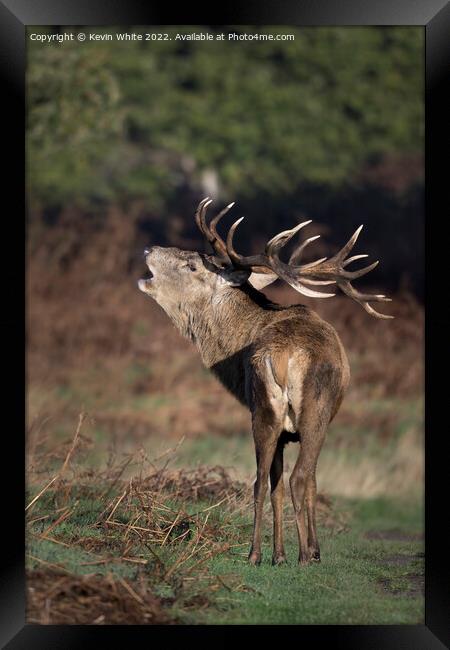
point(113, 122)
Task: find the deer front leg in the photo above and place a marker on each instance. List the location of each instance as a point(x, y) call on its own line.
point(265, 445)
point(277, 497)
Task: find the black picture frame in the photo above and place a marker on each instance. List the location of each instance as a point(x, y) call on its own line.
point(434, 16)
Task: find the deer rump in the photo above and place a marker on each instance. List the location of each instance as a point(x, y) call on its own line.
point(289, 380)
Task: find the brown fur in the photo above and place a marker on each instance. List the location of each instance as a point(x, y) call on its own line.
point(286, 364)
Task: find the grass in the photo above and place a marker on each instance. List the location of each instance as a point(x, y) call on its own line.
point(162, 537)
point(346, 588)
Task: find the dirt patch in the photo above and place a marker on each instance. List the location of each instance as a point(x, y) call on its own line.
point(402, 560)
point(63, 599)
point(199, 484)
point(393, 535)
point(410, 585)
point(414, 587)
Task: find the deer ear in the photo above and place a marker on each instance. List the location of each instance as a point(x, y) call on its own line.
point(261, 280)
point(234, 277)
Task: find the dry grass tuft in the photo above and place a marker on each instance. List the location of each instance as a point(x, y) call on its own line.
point(199, 484)
point(146, 522)
point(55, 598)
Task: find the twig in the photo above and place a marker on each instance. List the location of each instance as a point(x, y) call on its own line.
point(116, 506)
point(56, 523)
point(81, 419)
point(170, 529)
point(320, 584)
point(54, 566)
point(154, 553)
point(41, 493)
point(208, 556)
point(180, 537)
point(223, 583)
point(130, 590)
point(49, 539)
point(103, 561)
point(168, 451)
point(132, 524)
point(182, 559)
point(33, 521)
point(116, 479)
point(32, 441)
point(200, 512)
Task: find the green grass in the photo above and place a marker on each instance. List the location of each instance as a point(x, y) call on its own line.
point(359, 581)
point(345, 588)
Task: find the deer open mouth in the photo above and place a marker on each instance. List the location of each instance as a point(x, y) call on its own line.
point(146, 282)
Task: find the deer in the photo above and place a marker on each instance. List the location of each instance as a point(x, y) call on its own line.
point(285, 364)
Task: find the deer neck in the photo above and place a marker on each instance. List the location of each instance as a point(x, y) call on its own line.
point(223, 324)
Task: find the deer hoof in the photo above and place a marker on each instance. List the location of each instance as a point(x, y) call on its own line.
point(278, 559)
point(254, 559)
point(314, 555)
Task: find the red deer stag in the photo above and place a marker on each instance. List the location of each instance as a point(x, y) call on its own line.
point(286, 364)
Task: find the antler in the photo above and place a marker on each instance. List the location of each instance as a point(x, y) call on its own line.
point(320, 272)
point(210, 232)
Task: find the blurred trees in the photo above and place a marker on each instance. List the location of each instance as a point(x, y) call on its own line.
point(261, 122)
point(107, 120)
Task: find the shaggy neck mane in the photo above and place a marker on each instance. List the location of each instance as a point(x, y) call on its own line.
point(209, 324)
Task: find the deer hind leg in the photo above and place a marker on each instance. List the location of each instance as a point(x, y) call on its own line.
point(265, 446)
point(277, 497)
point(313, 425)
point(310, 503)
point(268, 406)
